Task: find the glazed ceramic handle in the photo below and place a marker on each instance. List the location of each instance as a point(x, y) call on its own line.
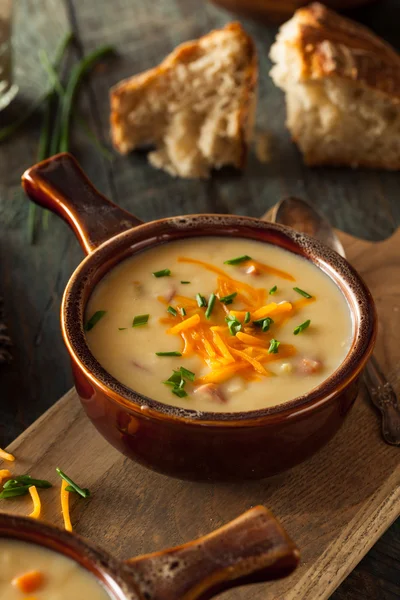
point(60, 185)
point(252, 548)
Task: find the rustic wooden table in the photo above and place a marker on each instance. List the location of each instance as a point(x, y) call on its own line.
point(32, 277)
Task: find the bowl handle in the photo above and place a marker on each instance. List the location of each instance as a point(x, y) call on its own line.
point(60, 185)
point(252, 548)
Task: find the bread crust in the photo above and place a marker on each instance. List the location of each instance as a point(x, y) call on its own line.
point(331, 45)
point(182, 54)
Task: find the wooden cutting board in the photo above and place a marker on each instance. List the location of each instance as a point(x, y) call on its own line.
point(335, 506)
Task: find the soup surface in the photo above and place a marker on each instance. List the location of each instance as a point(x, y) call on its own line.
point(29, 571)
point(246, 339)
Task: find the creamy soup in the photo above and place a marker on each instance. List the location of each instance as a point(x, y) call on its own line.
point(218, 324)
point(29, 571)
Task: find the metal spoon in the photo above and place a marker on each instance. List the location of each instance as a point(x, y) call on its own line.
point(303, 217)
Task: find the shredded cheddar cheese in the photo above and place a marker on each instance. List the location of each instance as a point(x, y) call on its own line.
point(65, 506)
point(6, 455)
point(229, 342)
point(37, 506)
point(29, 582)
point(4, 474)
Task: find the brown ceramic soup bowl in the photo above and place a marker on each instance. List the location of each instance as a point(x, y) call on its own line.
point(179, 442)
point(252, 548)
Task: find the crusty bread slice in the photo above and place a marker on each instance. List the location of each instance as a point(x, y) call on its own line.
point(342, 87)
point(196, 107)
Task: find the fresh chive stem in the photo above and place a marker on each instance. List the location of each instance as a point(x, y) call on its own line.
point(211, 302)
point(140, 320)
point(77, 74)
point(273, 290)
point(185, 282)
point(201, 301)
point(302, 292)
point(302, 327)
point(237, 260)
point(172, 353)
point(183, 311)
point(273, 346)
point(172, 311)
point(27, 480)
point(264, 323)
point(162, 273)
point(94, 319)
point(84, 492)
point(247, 318)
point(228, 299)
point(11, 492)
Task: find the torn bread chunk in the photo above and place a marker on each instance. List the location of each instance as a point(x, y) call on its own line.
point(196, 108)
point(342, 86)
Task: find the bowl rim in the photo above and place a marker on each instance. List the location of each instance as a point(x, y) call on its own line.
point(334, 265)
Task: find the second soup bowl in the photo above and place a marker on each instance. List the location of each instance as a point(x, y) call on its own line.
point(176, 441)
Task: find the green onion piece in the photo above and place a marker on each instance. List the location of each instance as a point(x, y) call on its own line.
point(162, 273)
point(247, 318)
point(182, 311)
point(11, 492)
point(187, 374)
point(140, 320)
point(84, 492)
point(210, 307)
point(302, 292)
point(175, 378)
point(273, 347)
point(264, 323)
point(201, 301)
point(302, 327)
point(228, 299)
point(172, 353)
point(69, 488)
point(273, 290)
point(27, 479)
point(94, 319)
point(179, 392)
point(11, 483)
point(172, 311)
point(122, 328)
point(238, 260)
point(234, 325)
point(185, 282)
point(77, 73)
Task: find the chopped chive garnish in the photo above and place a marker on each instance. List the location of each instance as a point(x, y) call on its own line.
point(211, 302)
point(172, 311)
point(273, 290)
point(264, 323)
point(162, 273)
point(84, 492)
point(187, 374)
point(122, 328)
point(238, 260)
point(302, 292)
point(27, 480)
point(233, 324)
point(273, 347)
point(11, 492)
point(140, 320)
point(177, 381)
point(172, 353)
point(180, 392)
point(228, 299)
point(201, 301)
point(185, 282)
point(247, 318)
point(302, 327)
point(182, 311)
point(94, 319)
